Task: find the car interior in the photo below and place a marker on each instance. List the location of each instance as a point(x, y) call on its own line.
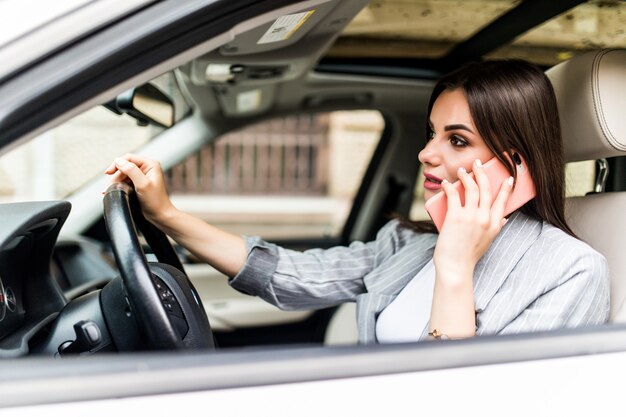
point(272, 64)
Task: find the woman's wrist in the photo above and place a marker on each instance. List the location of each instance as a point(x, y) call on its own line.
point(453, 312)
point(453, 275)
point(165, 216)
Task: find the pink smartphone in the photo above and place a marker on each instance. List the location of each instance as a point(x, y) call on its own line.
point(523, 191)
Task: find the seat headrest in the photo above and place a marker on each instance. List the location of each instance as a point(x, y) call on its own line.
point(591, 96)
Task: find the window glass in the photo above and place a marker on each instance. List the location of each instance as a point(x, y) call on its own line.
point(58, 162)
point(290, 177)
point(431, 28)
point(580, 178)
point(418, 28)
point(589, 26)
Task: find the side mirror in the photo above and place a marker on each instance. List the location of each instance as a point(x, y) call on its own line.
point(145, 103)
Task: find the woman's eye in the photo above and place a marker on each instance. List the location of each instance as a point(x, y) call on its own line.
point(458, 141)
point(431, 134)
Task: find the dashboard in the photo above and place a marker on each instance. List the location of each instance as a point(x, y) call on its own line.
point(65, 296)
point(40, 273)
point(14, 259)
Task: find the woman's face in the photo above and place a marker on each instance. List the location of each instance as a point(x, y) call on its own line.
point(454, 142)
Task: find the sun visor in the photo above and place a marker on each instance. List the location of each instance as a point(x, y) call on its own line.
point(285, 45)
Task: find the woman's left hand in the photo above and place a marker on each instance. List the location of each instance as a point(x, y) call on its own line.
point(468, 230)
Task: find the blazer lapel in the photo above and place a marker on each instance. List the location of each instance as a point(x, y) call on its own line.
point(385, 282)
point(505, 251)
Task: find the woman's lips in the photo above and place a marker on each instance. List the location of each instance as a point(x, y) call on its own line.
point(432, 182)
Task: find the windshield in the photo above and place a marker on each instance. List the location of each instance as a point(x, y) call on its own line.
point(62, 160)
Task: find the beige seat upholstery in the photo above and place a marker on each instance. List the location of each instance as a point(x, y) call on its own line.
point(600, 220)
point(591, 94)
point(342, 328)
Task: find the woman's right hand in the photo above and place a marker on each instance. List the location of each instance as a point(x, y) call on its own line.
point(147, 178)
point(222, 250)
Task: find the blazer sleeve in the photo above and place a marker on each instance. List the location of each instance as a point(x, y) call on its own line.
point(313, 279)
point(580, 296)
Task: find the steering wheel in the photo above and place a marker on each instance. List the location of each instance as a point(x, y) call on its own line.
point(164, 302)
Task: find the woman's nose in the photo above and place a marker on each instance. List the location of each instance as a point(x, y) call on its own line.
point(429, 154)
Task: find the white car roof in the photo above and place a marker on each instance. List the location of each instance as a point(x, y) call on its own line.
point(33, 28)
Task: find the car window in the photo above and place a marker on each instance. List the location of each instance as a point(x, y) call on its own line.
point(420, 28)
point(61, 160)
point(588, 26)
point(580, 178)
point(430, 29)
point(289, 177)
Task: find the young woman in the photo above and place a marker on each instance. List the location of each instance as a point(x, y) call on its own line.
point(482, 274)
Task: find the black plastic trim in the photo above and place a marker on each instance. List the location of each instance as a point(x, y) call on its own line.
point(384, 67)
point(617, 174)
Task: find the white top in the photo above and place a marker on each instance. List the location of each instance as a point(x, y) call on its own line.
point(406, 318)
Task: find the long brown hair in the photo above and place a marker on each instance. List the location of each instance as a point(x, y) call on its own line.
point(513, 106)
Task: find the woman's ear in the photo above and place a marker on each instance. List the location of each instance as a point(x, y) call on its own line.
point(514, 156)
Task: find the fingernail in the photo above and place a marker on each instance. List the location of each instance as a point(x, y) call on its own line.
point(462, 169)
point(120, 162)
point(478, 163)
point(510, 181)
point(444, 181)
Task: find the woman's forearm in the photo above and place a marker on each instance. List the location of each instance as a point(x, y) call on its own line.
point(452, 311)
point(224, 251)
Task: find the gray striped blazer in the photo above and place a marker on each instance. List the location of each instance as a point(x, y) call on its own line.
point(533, 277)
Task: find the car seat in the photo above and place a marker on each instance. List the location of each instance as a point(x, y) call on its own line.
point(591, 96)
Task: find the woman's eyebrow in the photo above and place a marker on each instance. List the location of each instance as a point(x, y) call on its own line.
point(457, 127)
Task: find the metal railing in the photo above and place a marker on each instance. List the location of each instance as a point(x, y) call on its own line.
point(282, 156)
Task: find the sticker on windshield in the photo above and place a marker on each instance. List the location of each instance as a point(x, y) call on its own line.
point(284, 27)
point(248, 101)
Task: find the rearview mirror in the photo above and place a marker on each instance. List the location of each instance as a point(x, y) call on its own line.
point(145, 103)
